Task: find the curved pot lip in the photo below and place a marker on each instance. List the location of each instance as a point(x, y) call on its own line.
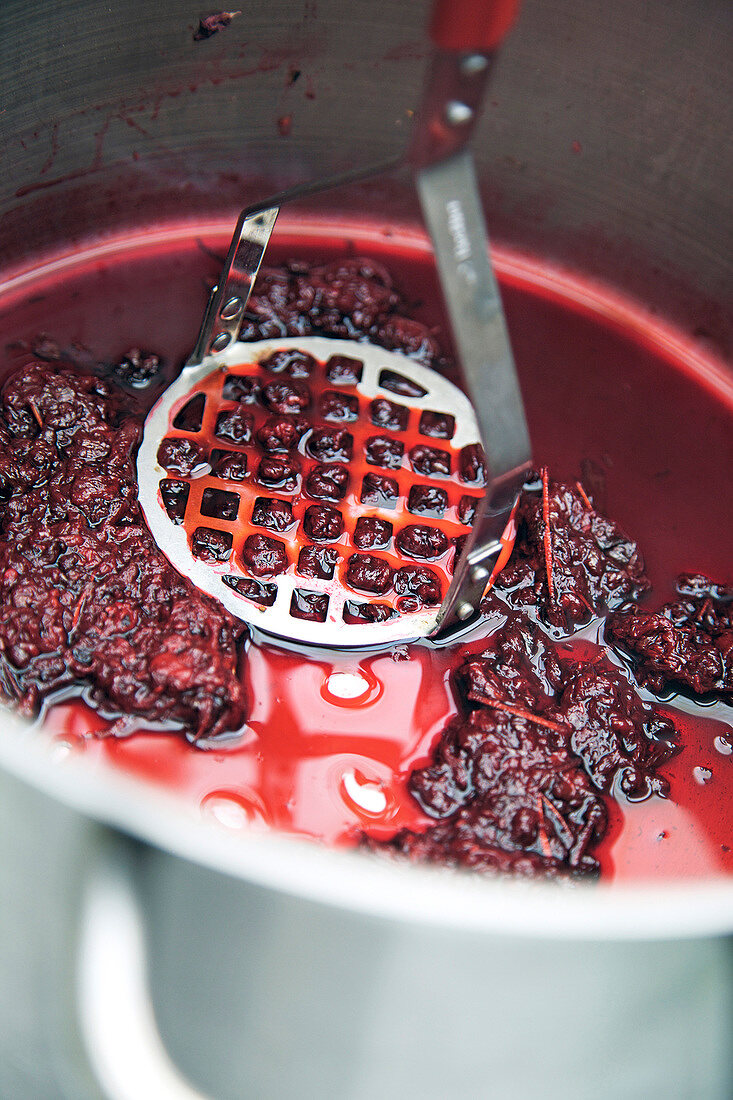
point(364, 883)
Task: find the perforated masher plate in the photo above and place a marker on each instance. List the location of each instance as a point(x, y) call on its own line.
point(212, 509)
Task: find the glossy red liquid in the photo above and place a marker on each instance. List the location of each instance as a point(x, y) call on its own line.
point(601, 383)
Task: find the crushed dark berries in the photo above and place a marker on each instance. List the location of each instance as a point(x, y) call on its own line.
point(327, 482)
point(427, 500)
point(286, 398)
point(355, 612)
point(343, 371)
point(418, 581)
point(138, 369)
point(234, 426)
point(515, 785)
point(317, 562)
point(99, 605)
point(339, 408)
point(386, 414)
point(453, 845)
point(517, 781)
point(687, 643)
point(372, 533)
point(312, 606)
point(210, 545)
point(467, 510)
point(330, 445)
point(296, 364)
point(345, 298)
point(472, 465)
point(175, 498)
point(369, 573)
point(381, 450)
point(429, 461)
point(420, 541)
point(277, 515)
point(279, 471)
point(263, 556)
point(617, 736)
point(507, 794)
point(181, 456)
point(379, 490)
point(281, 433)
point(594, 566)
point(262, 594)
point(437, 425)
point(323, 524)
point(228, 465)
point(241, 387)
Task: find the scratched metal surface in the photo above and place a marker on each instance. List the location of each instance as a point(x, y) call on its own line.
point(604, 144)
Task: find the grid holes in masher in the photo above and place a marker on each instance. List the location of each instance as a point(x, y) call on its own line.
point(261, 448)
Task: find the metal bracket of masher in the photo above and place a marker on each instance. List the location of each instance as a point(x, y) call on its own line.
point(447, 188)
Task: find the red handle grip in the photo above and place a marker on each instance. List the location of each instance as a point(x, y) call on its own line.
point(478, 25)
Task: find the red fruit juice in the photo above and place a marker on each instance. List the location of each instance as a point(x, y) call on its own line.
point(611, 396)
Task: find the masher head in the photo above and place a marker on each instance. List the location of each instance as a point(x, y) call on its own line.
point(319, 489)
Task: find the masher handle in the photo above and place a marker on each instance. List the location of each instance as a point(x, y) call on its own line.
point(228, 300)
point(466, 34)
point(472, 25)
point(227, 303)
point(454, 218)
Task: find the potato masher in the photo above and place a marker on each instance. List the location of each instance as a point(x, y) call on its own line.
point(288, 555)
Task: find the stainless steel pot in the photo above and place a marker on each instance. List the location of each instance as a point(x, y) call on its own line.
point(260, 966)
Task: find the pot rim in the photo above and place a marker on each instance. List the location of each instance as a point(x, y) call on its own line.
point(362, 882)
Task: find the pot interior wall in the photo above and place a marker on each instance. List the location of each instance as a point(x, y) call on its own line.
point(603, 145)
